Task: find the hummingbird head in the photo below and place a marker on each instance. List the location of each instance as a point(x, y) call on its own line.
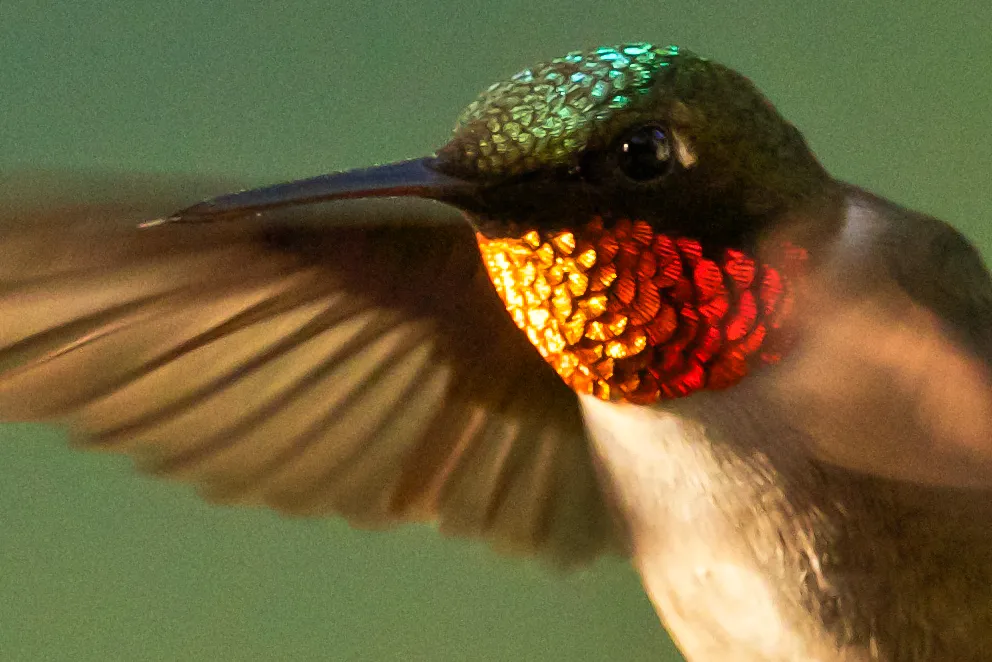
point(631, 131)
point(623, 192)
point(622, 199)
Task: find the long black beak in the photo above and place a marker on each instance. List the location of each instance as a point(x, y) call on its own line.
point(414, 178)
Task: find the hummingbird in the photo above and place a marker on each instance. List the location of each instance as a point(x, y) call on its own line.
point(623, 310)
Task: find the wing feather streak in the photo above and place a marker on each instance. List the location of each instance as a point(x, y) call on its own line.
point(303, 364)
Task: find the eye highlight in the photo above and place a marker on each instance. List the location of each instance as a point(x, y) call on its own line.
point(644, 153)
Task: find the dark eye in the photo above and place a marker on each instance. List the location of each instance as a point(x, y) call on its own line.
point(644, 153)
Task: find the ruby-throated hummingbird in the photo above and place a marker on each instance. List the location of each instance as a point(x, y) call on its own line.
point(623, 309)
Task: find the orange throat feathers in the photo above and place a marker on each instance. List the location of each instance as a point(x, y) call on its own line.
point(628, 314)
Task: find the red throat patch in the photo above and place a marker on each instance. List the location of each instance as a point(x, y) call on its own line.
point(628, 314)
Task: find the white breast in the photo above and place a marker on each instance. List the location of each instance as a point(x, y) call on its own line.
point(707, 530)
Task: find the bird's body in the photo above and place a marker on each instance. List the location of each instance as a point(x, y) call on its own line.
point(756, 554)
point(683, 341)
point(751, 549)
point(729, 582)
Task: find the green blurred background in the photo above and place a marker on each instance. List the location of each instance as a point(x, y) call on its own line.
point(99, 564)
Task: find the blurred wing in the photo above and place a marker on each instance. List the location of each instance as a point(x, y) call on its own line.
point(894, 375)
point(353, 361)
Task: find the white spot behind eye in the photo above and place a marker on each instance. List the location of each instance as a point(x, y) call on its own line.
point(686, 156)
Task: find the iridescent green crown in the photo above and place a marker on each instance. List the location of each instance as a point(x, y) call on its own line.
point(545, 115)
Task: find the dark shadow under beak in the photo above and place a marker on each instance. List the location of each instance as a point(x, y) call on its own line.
point(417, 178)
